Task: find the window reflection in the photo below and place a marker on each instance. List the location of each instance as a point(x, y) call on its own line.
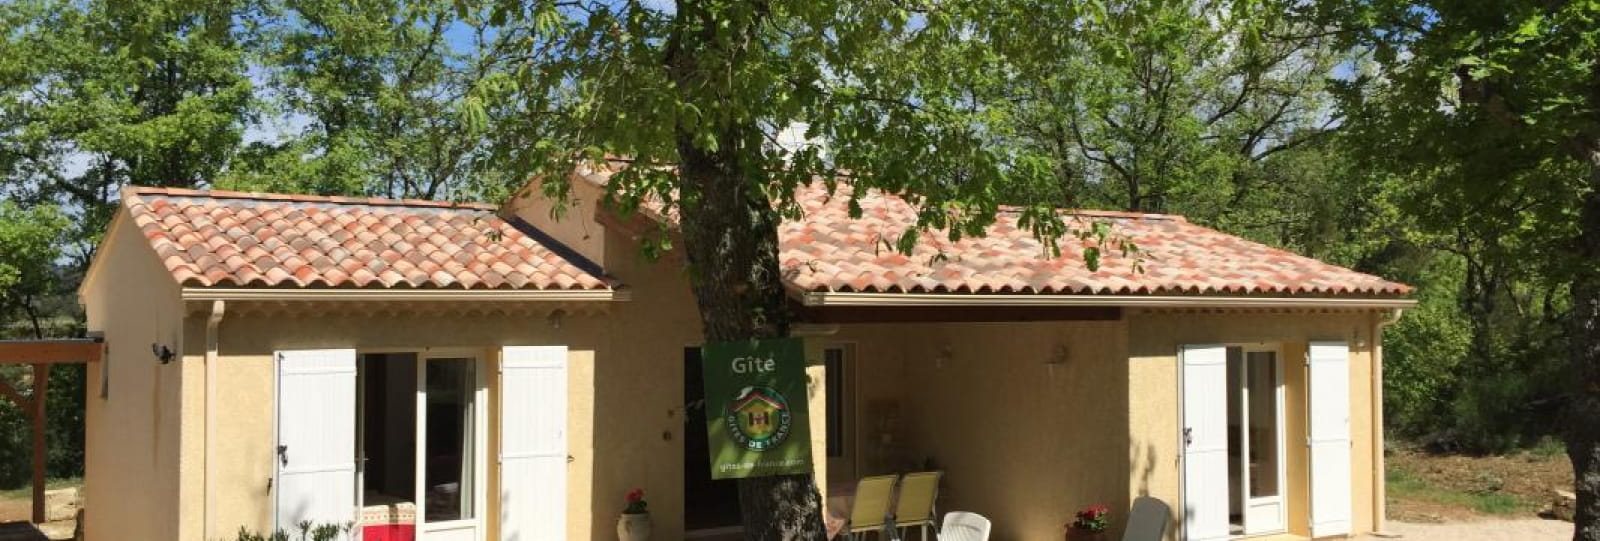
point(1262, 384)
point(448, 456)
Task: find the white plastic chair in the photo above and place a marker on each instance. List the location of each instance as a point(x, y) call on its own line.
point(1147, 521)
point(964, 526)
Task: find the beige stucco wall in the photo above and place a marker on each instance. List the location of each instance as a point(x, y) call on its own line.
point(1023, 418)
point(246, 380)
point(1153, 418)
point(572, 224)
point(132, 454)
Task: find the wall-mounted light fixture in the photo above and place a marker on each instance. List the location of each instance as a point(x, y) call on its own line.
point(555, 318)
point(1057, 358)
point(163, 353)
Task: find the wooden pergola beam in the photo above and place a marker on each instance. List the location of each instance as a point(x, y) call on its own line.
point(85, 350)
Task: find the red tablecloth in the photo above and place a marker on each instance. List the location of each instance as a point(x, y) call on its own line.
point(389, 532)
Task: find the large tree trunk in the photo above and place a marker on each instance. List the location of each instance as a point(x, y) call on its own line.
point(1583, 420)
point(730, 234)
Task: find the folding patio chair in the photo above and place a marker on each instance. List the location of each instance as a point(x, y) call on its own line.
point(964, 526)
point(870, 510)
point(914, 506)
point(1147, 521)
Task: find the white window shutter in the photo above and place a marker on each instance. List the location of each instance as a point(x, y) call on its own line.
point(316, 425)
point(1329, 376)
point(1204, 437)
point(533, 443)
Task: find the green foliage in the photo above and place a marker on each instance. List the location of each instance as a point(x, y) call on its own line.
point(304, 531)
point(381, 88)
point(1422, 353)
point(102, 94)
point(30, 244)
point(1479, 364)
point(63, 429)
point(905, 97)
point(1486, 111)
point(1482, 114)
point(1172, 106)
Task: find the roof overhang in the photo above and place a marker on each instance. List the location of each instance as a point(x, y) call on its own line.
point(819, 298)
point(403, 295)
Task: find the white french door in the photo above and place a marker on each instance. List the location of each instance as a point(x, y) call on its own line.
point(1257, 392)
point(315, 464)
point(533, 443)
point(1232, 441)
point(1330, 438)
point(1205, 442)
point(452, 441)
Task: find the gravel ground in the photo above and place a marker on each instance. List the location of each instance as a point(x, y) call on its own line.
point(1483, 530)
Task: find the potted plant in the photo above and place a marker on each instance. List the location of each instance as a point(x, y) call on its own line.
point(1089, 524)
point(634, 525)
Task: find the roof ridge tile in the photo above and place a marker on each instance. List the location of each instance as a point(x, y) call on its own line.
point(139, 191)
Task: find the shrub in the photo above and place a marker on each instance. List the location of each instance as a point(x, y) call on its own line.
point(305, 531)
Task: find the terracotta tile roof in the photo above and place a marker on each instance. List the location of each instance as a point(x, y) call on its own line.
point(828, 251)
point(235, 239)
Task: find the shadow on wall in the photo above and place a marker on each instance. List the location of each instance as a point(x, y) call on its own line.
point(1142, 464)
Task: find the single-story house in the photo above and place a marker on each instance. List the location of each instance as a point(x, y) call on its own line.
point(443, 371)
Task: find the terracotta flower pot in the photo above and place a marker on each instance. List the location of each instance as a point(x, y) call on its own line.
point(633, 527)
point(1074, 534)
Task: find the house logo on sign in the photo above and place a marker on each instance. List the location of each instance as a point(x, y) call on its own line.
point(756, 408)
point(758, 418)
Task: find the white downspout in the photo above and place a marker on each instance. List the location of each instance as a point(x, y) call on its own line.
point(1380, 505)
point(217, 308)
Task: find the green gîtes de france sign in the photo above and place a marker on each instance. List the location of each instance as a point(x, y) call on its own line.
point(756, 408)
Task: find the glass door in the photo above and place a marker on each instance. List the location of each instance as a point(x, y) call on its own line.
point(452, 402)
point(1260, 457)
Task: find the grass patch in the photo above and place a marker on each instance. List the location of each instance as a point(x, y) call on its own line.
point(51, 484)
point(1548, 448)
point(1404, 485)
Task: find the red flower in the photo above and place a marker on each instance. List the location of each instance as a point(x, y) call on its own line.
point(635, 495)
point(1092, 518)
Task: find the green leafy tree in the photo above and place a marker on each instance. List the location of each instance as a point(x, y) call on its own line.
point(30, 244)
point(1494, 110)
point(377, 87)
point(97, 95)
point(1173, 106)
point(693, 93)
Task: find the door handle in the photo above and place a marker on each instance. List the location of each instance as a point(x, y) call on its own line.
point(1188, 436)
point(283, 455)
